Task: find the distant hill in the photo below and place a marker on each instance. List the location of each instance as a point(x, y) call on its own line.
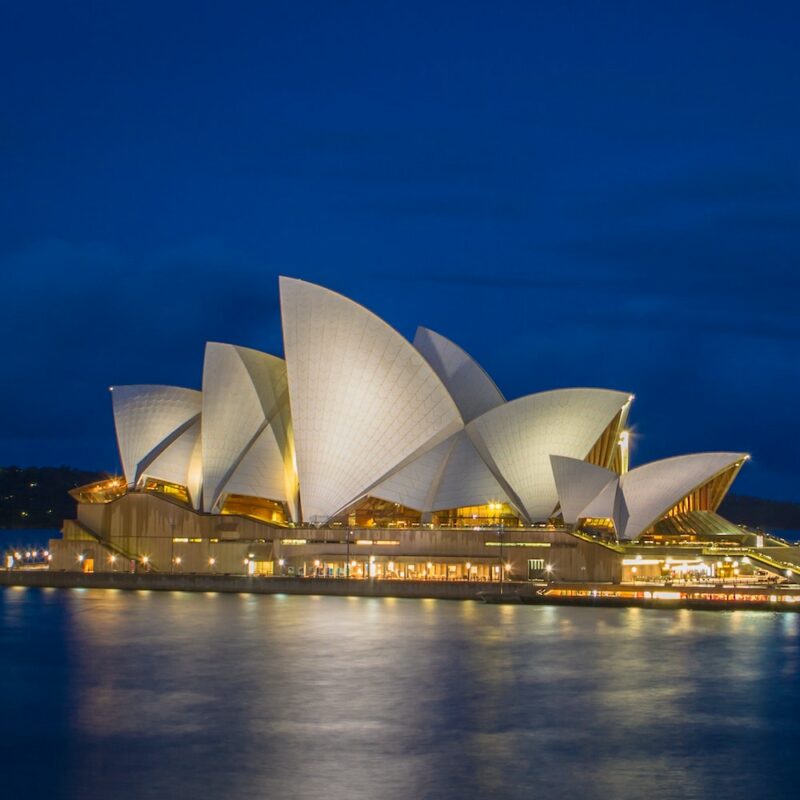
point(38, 497)
point(756, 512)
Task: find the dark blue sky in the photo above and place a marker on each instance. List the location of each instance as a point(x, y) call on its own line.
point(580, 194)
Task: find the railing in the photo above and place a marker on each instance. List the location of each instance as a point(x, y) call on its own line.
point(587, 537)
point(116, 549)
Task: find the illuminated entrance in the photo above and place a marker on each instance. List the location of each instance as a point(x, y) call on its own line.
point(404, 568)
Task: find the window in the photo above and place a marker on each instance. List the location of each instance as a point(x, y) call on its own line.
point(535, 569)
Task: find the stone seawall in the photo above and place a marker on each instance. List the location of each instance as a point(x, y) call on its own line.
point(445, 590)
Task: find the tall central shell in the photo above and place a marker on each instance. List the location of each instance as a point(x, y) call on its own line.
point(364, 400)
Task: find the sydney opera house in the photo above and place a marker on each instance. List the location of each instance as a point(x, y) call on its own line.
point(362, 454)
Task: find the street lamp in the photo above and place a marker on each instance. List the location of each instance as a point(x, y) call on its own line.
point(500, 537)
point(281, 564)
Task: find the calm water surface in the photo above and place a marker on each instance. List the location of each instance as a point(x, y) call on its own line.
point(109, 694)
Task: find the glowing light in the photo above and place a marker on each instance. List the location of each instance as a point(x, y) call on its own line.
point(281, 562)
point(145, 559)
point(212, 561)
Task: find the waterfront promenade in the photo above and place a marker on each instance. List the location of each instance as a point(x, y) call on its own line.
point(720, 597)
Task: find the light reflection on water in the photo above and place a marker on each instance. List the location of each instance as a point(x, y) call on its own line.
point(145, 694)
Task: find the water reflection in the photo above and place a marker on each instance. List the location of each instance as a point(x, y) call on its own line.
point(139, 695)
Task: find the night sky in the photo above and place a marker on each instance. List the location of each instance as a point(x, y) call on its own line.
point(579, 194)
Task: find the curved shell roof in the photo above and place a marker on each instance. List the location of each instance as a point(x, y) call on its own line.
point(260, 472)
point(451, 475)
point(652, 489)
point(415, 484)
point(181, 462)
point(244, 391)
point(363, 399)
point(517, 439)
point(356, 409)
point(469, 384)
point(466, 479)
point(148, 419)
point(577, 483)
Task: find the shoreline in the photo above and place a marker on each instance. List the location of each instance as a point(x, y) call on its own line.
point(716, 598)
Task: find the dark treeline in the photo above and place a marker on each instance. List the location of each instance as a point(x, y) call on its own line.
point(38, 497)
point(759, 513)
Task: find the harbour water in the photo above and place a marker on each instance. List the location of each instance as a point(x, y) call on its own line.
point(137, 695)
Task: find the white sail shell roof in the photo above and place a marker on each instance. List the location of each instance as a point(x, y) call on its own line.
point(651, 490)
point(415, 484)
point(517, 439)
point(577, 483)
point(609, 504)
point(147, 419)
point(181, 462)
point(245, 405)
point(466, 479)
point(451, 475)
point(363, 399)
point(260, 473)
point(469, 384)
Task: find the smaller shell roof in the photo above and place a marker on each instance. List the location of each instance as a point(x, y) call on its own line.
point(147, 419)
point(517, 439)
point(652, 489)
point(578, 482)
